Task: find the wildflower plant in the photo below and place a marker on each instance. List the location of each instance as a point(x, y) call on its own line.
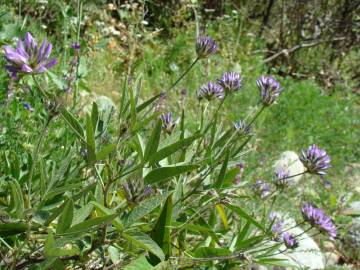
point(140, 187)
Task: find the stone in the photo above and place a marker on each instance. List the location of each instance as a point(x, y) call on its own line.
point(331, 258)
point(290, 161)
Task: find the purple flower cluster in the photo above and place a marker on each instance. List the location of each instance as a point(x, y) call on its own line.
point(168, 124)
point(317, 218)
point(230, 82)
point(290, 240)
point(205, 46)
point(315, 160)
point(242, 128)
point(28, 57)
point(269, 88)
point(282, 177)
point(261, 188)
point(277, 230)
point(211, 91)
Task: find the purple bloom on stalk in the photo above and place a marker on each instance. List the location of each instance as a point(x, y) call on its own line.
point(261, 188)
point(205, 46)
point(277, 226)
point(315, 160)
point(317, 218)
point(75, 46)
point(168, 124)
point(210, 91)
point(282, 177)
point(230, 81)
point(28, 57)
point(242, 128)
point(269, 88)
point(289, 240)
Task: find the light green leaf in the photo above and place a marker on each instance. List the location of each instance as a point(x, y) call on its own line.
point(73, 123)
point(17, 201)
point(139, 263)
point(103, 153)
point(146, 207)
point(245, 215)
point(144, 241)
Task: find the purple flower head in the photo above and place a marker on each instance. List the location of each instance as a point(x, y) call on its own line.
point(261, 188)
point(205, 46)
point(269, 88)
point(282, 177)
point(317, 218)
point(289, 240)
point(28, 57)
point(230, 81)
point(168, 124)
point(277, 226)
point(75, 46)
point(315, 160)
point(242, 128)
point(211, 91)
point(28, 107)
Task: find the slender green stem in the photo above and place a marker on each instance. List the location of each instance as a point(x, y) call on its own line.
point(256, 115)
point(183, 75)
point(35, 156)
point(79, 16)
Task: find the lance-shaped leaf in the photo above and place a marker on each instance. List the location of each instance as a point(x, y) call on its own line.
point(90, 141)
point(153, 142)
point(161, 174)
point(17, 201)
point(172, 148)
point(220, 180)
point(161, 231)
point(66, 217)
point(73, 123)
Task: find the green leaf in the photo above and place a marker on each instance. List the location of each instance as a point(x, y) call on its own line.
point(161, 174)
point(144, 241)
point(17, 201)
point(153, 142)
point(208, 252)
point(88, 225)
point(106, 211)
point(82, 213)
point(245, 215)
point(220, 180)
point(148, 102)
point(146, 207)
point(66, 217)
point(172, 148)
point(139, 263)
point(161, 231)
point(9, 229)
point(94, 115)
point(90, 140)
point(103, 153)
point(73, 123)
point(51, 249)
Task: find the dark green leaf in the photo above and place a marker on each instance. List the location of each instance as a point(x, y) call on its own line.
point(245, 215)
point(73, 123)
point(220, 180)
point(161, 232)
point(161, 174)
point(90, 140)
point(153, 142)
point(66, 217)
point(172, 148)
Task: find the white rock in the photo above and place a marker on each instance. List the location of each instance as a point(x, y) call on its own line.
point(290, 161)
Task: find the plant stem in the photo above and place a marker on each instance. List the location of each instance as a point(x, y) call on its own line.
point(183, 75)
point(79, 15)
point(35, 157)
point(256, 115)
